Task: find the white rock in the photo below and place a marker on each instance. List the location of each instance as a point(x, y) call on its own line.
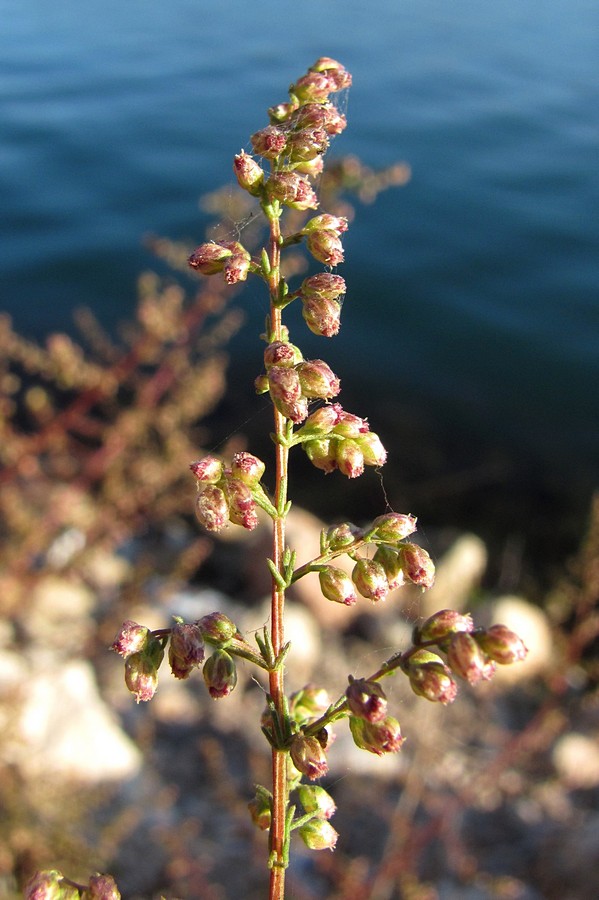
point(66, 731)
point(576, 759)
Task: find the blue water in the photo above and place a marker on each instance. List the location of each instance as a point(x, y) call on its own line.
point(474, 288)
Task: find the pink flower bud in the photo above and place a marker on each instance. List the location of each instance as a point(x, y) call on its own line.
point(502, 645)
point(322, 316)
point(350, 426)
point(292, 190)
point(209, 258)
point(366, 699)
point(325, 222)
point(186, 649)
point(141, 671)
point(236, 268)
point(247, 468)
point(217, 629)
point(282, 353)
point(392, 527)
point(417, 565)
point(208, 470)
point(389, 559)
point(376, 737)
point(248, 173)
point(322, 421)
point(467, 660)
point(430, 678)
point(311, 167)
point(282, 111)
point(308, 756)
point(336, 585)
point(315, 799)
point(322, 453)
point(349, 458)
point(132, 638)
point(212, 508)
point(441, 625)
point(102, 887)
point(306, 144)
point(372, 449)
point(242, 506)
point(220, 674)
point(318, 834)
point(312, 87)
point(370, 579)
point(323, 285)
point(317, 380)
point(269, 142)
point(326, 247)
point(49, 885)
point(286, 393)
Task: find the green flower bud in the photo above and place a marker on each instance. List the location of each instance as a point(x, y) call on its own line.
point(322, 316)
point(417, 565)
point(430, 678)
point(308, 756)
point(318, 834)
point(141, 671)
point(501, 645)
point(370, 579)
point(49, 884)
point(209, 258)
point(336, 585)
point(349, 425)
point(282, 353)
point(372, 449)
point(467, 660)
point(376, 737)
point(392, 527)
point(315, 799)
point(322, 421)
point(306, 143)
point(390, 560)
point(325, 221)
point(441, 625)
point(132, 638)
point(286, 393)
point(292, 190)
point(309, 704)
point(261, 809)
point(186, 649)
point(248, 173)
point(217, 629)
point(349, 458)
point(366, 699)
point(220, 674)
point(326, 247)
point(340, 536)
point(323, 285)
point(208, 470)
point(322, 453)
point(247, 468)
point(317, 380)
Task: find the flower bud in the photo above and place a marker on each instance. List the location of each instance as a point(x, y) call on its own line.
point(208, 470)
point(282, 353)
point(315, 799)
point(216, 628)
point(292, 190)
point(366, 699)
point(349, 425)
point(311, 167)
point(49, 884)
point(131, 638)
point(247, 468)
point(282, 111)
point(430, 678)
point(502, 645)
point(339, 536)
point(466, 659)
point(141, 671)
point(186, 649)
point(376, 737)
point(317, 380)
point(441, 625)
point(417, 565)
point(312, 87)
point(236, 268)
point(372, 449)
point(349, 458)
point(212, 508)
point(322, 421)
point(322, 453)
point(261, 384)
point(220, 674)
point(325, 221)
point(390, 560)
point(324, 285)
point(336, 585)
point(286, 393)
point(242, 506)
point(318, 834)
point(306, 143)
point(309, 704)
point(392, 527)
point(370, 579)
point(326, 247)
point(102, 887)
point(269, 142)
point(308, 756)
point(260, 809)
point(322, 316)
point(248, 173)
point(209, 258)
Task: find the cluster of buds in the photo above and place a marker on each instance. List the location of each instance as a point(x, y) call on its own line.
point(322, 298)
point(323, 238)
point(292, 381)
point(371, 727)
point(230, 257)
point(470, 653)
point(228, 494)
point(335, 439)
point(50, 884)
point(143, 651)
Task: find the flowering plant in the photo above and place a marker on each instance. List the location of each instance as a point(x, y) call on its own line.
point(383, 555)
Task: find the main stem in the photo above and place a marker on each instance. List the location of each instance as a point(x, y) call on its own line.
point(277, 678)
